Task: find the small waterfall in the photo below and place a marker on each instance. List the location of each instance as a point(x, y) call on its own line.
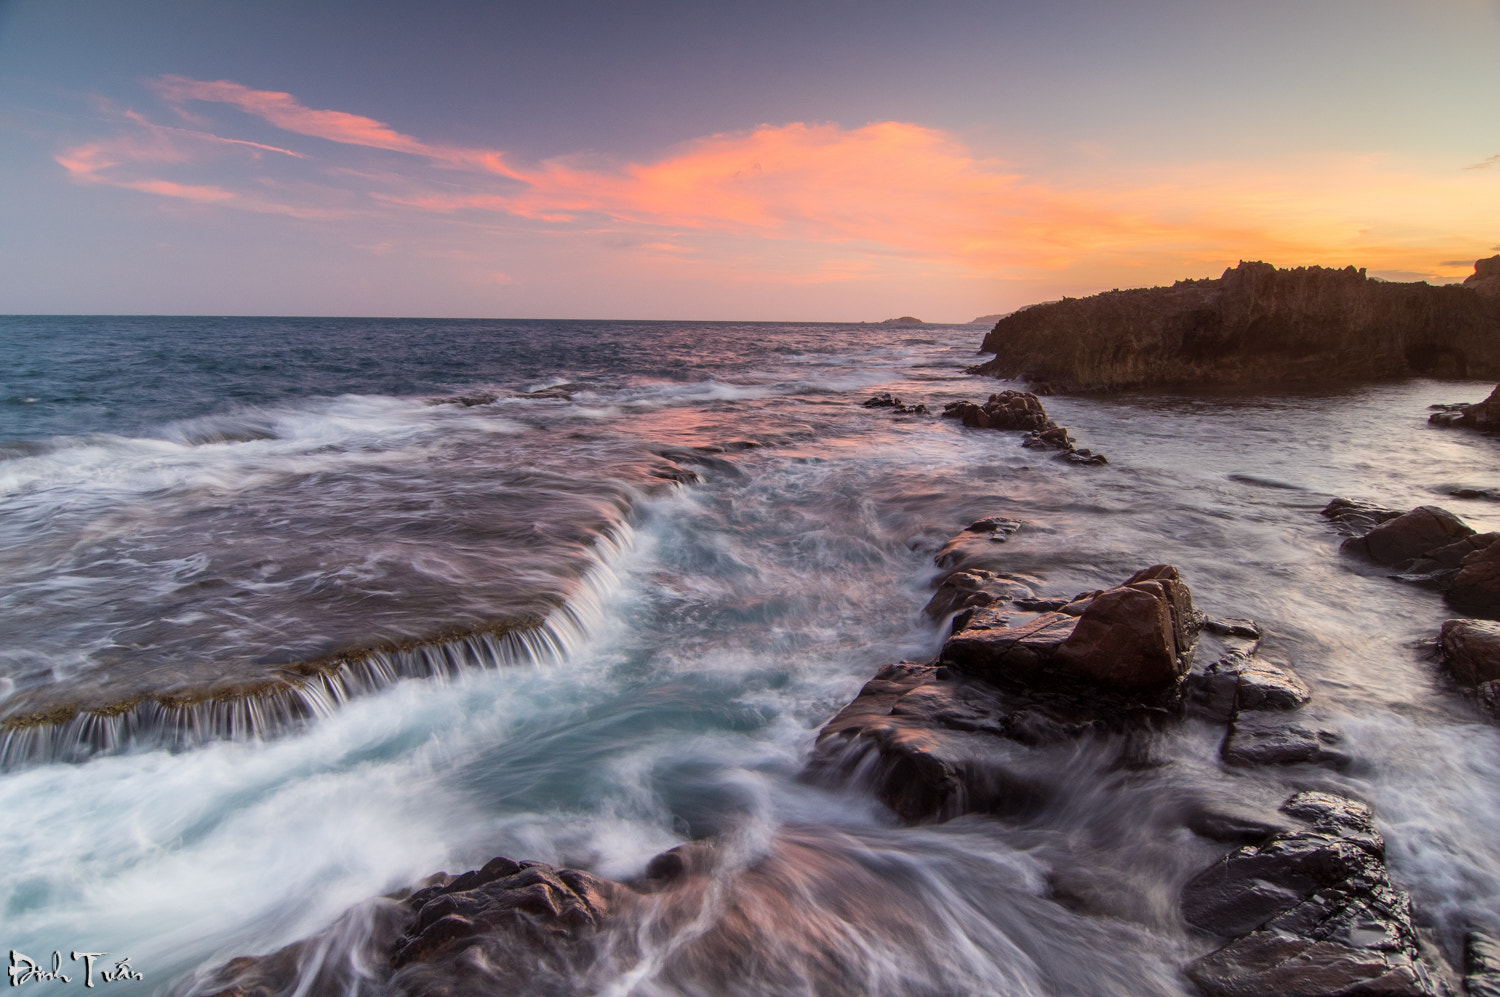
point(150, 724)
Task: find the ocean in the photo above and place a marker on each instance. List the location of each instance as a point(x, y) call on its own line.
point(296, 612)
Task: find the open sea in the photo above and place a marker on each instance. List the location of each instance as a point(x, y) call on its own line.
point(295, 612)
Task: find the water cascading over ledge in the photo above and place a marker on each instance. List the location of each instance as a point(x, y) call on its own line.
point(307, 691)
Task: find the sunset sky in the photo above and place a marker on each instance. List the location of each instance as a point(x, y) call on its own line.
point(815, 160)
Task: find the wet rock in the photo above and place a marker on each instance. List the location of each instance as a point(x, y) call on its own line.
point(1483, 416)
point(1085, 457)
point(1007, 410)
point(1133, 638)
point(1355, 518)
point(1240, 681)
point(972, 589)
point(1231, 627)
point(504, 907)
point(934, 744)
point(1268, 737)
point(886, 400)
point(972, 545)
point(1482, 965)
point(1440, 566)
point(1475, 589)
point(1471, 650)
point(1403, 539)
point(1021, 410)
point(1310, 910)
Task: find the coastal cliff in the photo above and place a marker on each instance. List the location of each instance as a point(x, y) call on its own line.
point(1255, 326)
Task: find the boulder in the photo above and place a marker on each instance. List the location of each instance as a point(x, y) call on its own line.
point(1310, 911)
point(1471, 650)
point(1021, 410)
point(1483, 416)
point(1134, 638)
point(1405, 538)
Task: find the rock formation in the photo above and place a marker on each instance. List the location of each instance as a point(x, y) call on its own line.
point(1428, 546)
point(1021, 410)
point(1483, 416)
point(1471, 649)
point(1311, 912)
point(1255, 326)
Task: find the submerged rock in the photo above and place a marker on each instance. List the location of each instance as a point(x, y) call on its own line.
point(1253, 326)
point(1311, 912)
point(886, 400)
point(1482, 965)
point(1483, 416)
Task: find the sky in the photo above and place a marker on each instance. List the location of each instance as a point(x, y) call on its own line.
point(822, 160)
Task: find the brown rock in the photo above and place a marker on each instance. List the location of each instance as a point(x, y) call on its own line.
point(1403, 539)
point(1255, 325)
point(1125, 639)
point(1476, 588)
point(1472, 651)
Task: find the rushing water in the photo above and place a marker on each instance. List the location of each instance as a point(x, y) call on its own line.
point(189, 504)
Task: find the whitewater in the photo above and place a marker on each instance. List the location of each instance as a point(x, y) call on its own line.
point(339, 603)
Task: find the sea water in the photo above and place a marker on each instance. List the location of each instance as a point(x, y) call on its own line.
point(718, 544)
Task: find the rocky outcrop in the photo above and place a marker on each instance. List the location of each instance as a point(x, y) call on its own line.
point(1483, 416)
point(1310, 911)
point(1428, 546)
point(976, 730)
point(1255, 326)
point(1021, 410)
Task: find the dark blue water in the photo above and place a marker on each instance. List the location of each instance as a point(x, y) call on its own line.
point(132, 374)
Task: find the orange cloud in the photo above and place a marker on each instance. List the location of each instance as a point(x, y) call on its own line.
point(843, 203)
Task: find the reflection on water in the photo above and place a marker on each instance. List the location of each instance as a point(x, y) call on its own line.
point(748, 607)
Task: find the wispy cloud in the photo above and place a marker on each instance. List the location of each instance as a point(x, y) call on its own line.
point(1484, 163)
point(855, 202)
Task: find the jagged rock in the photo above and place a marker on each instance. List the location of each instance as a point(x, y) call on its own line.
point(1127, 639)
point(1254, 325)
point(934, 743)
point(1271, 737)
point(1482, 965)
point(1403, 539)
point(1311, 912)
point(1483, 416)
point(1006, 410)
point(1021, 410)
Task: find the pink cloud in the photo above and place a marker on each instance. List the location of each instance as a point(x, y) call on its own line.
point(839, 203)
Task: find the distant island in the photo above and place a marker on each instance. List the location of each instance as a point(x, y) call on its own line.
point(1255, 326)
point(904, 320)
point(988, 319)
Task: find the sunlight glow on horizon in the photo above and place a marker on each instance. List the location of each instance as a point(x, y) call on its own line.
point(886, 200)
